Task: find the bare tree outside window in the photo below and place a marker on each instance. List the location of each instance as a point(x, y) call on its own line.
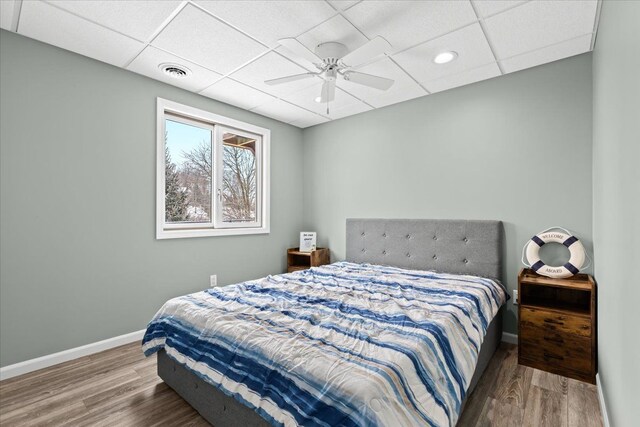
point(187, 173)
point(196, 176)
point(188, 192)
point(239, 184)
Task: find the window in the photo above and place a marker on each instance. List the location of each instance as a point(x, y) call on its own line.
point(212, 174)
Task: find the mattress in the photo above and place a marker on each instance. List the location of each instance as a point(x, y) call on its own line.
point(345, 344)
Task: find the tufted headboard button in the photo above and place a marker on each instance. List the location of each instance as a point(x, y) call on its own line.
point(466, 261)
point(465, 240)
point(435, 238)
point(384, 252)
point(408, 255)
point(435, 257)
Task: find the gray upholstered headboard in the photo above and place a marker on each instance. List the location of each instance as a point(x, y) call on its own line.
point(448, 246)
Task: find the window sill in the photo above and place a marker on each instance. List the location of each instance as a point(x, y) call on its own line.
point(209, 232)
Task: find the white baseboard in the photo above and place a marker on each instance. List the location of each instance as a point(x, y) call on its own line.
point(510, 338)
point(603, 406)
point(66, 355)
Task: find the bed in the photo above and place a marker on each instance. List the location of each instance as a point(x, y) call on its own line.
point(398, 334)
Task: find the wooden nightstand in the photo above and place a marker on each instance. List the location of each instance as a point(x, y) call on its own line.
point(557, 324)
point(297, 260)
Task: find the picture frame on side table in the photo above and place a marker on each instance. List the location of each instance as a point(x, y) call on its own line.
point(307, 241)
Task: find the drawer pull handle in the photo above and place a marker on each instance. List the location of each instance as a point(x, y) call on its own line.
point(552, 356)
point(555, 322)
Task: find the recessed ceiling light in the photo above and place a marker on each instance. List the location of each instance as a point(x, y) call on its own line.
point(444, 57)
point(318, 99)
point(175, 70)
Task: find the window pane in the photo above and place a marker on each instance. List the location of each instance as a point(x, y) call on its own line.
point(187, 173)
point(239, 179)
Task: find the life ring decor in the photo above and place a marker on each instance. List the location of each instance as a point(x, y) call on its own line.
point(573, 266)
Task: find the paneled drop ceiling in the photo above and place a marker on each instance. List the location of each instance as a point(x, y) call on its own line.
point(231, 47)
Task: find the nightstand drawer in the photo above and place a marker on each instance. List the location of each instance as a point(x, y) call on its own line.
point(552, 321)
point(555, 340)
point(573, 353)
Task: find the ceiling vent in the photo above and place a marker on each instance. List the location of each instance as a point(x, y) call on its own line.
point(174, 70)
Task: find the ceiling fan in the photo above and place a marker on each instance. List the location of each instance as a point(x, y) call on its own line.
point(333, 60)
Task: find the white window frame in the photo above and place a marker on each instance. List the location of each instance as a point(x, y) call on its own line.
point(216, 227)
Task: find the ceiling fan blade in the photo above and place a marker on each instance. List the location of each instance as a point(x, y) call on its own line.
point(328, 92)
point(288, 79)
point(301, 50)
point(369, 50)
point(376, 82)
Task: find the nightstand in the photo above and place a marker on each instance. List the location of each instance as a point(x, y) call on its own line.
point(297, 260)
point(557, 324)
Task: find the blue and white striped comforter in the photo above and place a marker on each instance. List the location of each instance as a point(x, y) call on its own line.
point(339, 345)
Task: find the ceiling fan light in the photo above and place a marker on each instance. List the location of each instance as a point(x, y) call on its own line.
point(445, 57)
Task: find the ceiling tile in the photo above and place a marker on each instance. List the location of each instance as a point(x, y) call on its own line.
point(404, 87)
point(486, 8)
point(269, 21)
point(310, 66)
point(398, 94)
point(470, 44)
point(407, 23)
point(284, 111)
point(51, 25)
point(235, 93)
point(336, 29)
point(271, 66)
point(203, 39)
point(148, 61)
point(138, 19)
point(548, 54)
point(306, 98)
point(343, 4)
point(464, 78)
point(309, 121)
point(537, 24)
point(7, 11)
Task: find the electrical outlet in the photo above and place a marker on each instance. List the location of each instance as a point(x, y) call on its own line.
point(213, 280)
point(515, 297)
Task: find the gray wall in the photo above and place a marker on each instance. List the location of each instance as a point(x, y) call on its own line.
point(515, 148)
point(616, 205)
point(80, 261)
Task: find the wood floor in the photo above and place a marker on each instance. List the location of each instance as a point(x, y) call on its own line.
point(509, 394)
point(119, 387)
